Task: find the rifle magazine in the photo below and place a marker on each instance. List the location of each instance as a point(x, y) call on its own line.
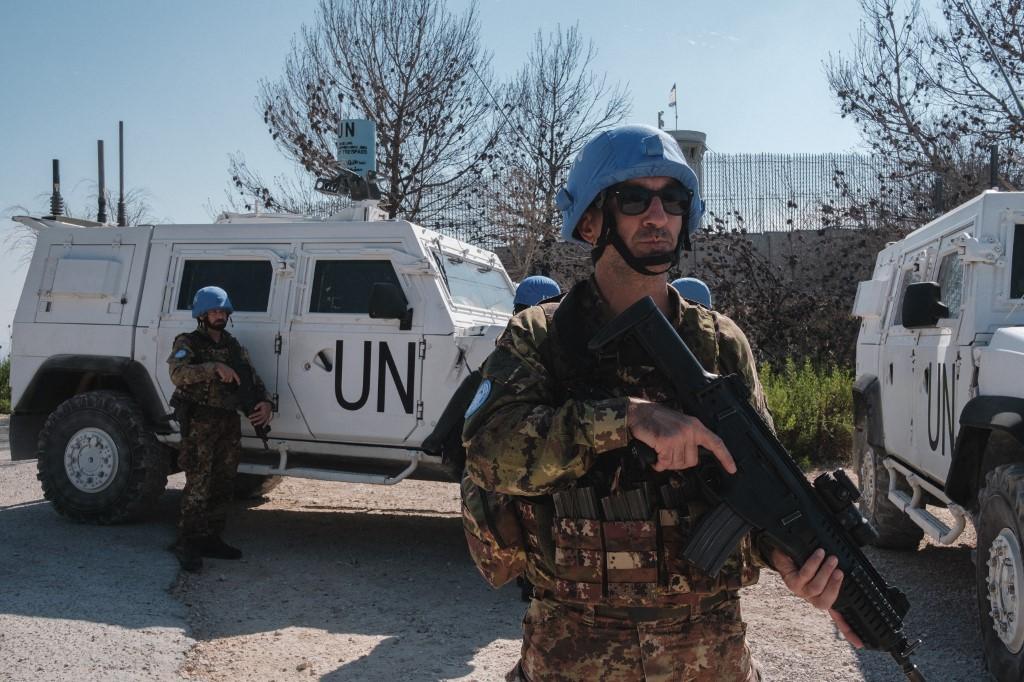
point(715, 538)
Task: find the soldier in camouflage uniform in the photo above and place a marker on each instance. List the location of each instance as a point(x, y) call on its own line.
point(206, 404)
point(613, 599)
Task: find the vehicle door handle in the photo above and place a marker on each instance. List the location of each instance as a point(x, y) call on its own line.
point(325, 362)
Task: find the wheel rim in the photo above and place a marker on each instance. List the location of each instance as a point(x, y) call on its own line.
point(90, 460)
point(1005, 580)
point(867, 479)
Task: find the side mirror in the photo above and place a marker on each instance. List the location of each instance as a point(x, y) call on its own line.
point(921, 305)
point(387, 302)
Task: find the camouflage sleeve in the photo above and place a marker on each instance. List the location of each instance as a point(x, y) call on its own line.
point(257, 383)
point(518, 440)
point(735, 356)
point(183, 367)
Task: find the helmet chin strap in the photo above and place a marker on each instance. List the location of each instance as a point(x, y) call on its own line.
point(610, 235)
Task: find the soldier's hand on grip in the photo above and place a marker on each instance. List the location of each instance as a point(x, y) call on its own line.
point(261, 414)
point(226, 374)
point(676, 437)
point(816, 582)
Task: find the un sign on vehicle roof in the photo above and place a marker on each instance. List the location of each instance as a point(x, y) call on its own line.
point(357, 145)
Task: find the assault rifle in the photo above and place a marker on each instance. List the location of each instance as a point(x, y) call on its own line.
point(248, 396)
point(769, 492)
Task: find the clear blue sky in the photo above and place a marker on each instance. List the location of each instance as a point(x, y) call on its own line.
point(183, 76)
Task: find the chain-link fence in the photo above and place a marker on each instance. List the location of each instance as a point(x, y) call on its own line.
point(780, 192)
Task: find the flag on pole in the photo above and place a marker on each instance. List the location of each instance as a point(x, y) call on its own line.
point(672, 96)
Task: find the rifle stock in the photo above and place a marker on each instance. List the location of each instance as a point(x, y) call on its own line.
point(769, 493)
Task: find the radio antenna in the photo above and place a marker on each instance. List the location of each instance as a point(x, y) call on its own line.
point(56, 200)
point(101, 209)
point(120, 171)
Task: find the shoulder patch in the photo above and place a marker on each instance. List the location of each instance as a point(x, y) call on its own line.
point(482, 393)
point(182, 352)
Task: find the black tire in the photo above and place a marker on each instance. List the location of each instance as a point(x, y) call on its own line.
point(253, 486)
point(98, 463)
point(1000, 571)
point(895, 529)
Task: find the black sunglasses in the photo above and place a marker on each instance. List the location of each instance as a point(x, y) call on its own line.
point(635, 199)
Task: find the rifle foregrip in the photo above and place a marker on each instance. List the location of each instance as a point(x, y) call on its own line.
point(869, 612)
point(715, 538)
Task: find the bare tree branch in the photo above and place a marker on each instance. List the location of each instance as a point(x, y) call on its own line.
point(552, 107)
point(410, 66)
point(936, 97)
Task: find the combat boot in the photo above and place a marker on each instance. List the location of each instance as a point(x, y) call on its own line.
point(188, 556)
point(215, 548)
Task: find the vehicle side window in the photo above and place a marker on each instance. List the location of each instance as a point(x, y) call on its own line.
point(910, 276)
point(1017, 264)
point(246, 281)
point(343, 286)
point(951, 282)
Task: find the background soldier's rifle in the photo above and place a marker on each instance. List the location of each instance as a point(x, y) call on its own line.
point(248, 396)
point(769, 492)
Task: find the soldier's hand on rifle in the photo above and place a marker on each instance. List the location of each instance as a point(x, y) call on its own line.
point(676, 437)
point(816, 582)
point(226, 374)
point(261, 414)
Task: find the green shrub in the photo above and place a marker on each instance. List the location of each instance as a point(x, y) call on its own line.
point(813, 410)
point(5, 385)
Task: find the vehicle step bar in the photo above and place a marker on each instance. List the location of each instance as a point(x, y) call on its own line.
point(282, 469)
point(913, 506)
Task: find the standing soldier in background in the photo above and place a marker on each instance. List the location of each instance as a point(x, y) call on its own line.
point(551, 425)
point(205, 366)
point(533, 290)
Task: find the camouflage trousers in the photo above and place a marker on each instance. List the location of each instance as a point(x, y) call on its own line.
point(209, 456)
point(564, 643)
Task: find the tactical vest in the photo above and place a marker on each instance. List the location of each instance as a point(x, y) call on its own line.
point(214, 393)
point(623, 563)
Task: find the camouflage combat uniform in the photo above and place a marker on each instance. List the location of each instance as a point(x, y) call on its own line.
point(613, 600)
point(211, 441)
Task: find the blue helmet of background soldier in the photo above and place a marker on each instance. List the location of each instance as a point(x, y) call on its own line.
point(210, 298)
point(693, 289)
point(535, 289)
point(621, 154)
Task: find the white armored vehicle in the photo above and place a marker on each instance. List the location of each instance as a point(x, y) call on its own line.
point(361, 330)
point(939, 401)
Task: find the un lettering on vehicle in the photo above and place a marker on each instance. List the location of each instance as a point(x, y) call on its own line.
point(390, 367)
point(941, 406)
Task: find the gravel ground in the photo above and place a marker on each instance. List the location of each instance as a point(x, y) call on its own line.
point(83, 602)
point(353, 582)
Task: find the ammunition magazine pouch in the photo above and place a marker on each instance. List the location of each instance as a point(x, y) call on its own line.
point(622, 563)
point(493, 533)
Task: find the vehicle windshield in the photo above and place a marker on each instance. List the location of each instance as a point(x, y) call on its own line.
point(474, 285)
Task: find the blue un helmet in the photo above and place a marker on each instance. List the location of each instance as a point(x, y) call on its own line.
point(533, 290)
point(617, 155)
point(210, 298)
point(693, 289)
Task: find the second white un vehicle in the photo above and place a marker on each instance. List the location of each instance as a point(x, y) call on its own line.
point(939, 401)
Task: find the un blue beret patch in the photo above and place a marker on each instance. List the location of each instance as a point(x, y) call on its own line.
point(482, 393)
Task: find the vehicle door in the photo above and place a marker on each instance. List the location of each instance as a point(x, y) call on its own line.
point(353, 378)
point(937, 367)
point(254, 281)
point(474, 296)
point(896, 368)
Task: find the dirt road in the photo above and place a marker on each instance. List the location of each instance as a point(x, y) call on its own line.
point(361, 583)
